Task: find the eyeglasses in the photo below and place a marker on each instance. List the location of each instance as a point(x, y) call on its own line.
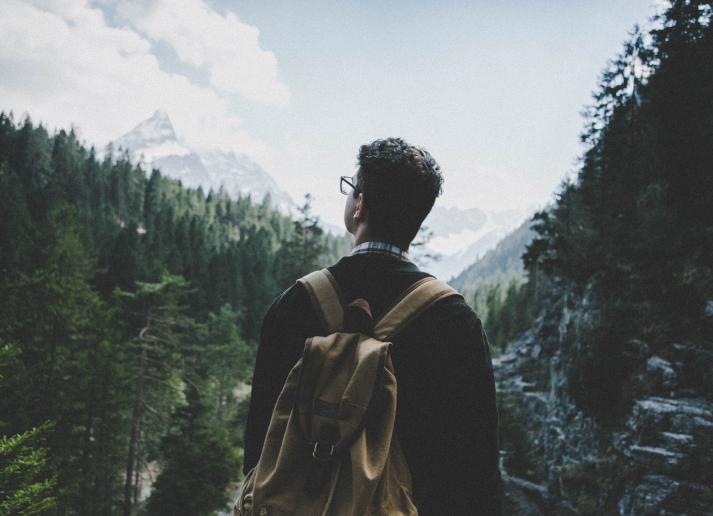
point(344, 183)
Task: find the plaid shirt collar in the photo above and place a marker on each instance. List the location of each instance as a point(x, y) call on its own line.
point(381, 248)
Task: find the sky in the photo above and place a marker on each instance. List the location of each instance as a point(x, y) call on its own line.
point(494, 90)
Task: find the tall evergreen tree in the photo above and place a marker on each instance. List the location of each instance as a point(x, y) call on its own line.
point(198, 464)
point(162, 332)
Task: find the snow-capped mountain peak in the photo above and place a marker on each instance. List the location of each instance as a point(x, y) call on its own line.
point(152, 139)
point(155, 130)
point(154, 144)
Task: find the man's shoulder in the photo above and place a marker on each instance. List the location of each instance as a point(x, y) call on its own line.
point(292, 303)
point(450, 310)
point(295, 298)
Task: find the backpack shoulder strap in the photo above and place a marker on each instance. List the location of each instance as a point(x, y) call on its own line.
point(326, 298)
point(414, 301)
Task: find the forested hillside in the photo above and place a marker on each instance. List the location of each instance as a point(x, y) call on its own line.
point(495, 287)
point(130, 307)
point(606, 399)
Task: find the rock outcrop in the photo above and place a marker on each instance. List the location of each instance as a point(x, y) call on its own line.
point(655, 458)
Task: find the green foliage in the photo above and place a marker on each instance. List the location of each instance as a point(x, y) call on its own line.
point(119, 292)
point(26, 484)
point(300, 255)
point(635, 225)
point(161, 348)
point(603, 362)
point(334, 247)
point(499, 291)
point(522, 458)
point(596, 486)
point(225, 360)
point(197, 465)
point(506, 310)
point(60, 329)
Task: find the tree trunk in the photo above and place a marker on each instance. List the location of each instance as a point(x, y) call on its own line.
point(136, 416)
point(89, 483)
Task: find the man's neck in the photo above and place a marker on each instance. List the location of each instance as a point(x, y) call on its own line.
point(363, 235)
point(380, 248)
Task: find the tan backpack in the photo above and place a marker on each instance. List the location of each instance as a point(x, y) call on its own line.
point(330, 448)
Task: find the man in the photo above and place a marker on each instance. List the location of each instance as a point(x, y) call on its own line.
point(446, 416)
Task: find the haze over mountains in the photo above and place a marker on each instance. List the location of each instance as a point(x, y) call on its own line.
point(460, 236)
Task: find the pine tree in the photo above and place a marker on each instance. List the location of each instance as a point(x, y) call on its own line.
point(301, 254)
point(162, 332)
point(223, 362)
point(26, 485)
point(59, 325)
point(198, 463)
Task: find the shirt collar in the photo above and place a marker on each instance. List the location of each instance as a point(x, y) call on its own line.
point(382, 248)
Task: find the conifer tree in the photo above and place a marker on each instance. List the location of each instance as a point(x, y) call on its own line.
point(197, 466)
point(162, 332)
point(26, 484)
point(301, 254)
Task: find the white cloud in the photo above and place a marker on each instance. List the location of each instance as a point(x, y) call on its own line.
point(63, 64)
point(222, 44)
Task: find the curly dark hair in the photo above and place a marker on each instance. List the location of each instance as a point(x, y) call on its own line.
point(400, 183)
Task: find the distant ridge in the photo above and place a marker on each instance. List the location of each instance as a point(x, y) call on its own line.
point(499, 265)
point(463, 236)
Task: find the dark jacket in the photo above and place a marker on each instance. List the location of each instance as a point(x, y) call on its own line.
point(446, 417)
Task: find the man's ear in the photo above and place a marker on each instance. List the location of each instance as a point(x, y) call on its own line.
point(360, 212)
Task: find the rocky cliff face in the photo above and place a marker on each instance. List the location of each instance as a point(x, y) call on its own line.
point(655, 459)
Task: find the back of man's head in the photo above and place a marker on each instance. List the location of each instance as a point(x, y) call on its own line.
point(400, 183)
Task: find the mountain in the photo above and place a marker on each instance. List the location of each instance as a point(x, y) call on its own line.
point(154, 144)
point(242, 176)
point(462, 236)
point(499, 265)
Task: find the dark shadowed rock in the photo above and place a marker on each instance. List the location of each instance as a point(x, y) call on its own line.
point(656, 459)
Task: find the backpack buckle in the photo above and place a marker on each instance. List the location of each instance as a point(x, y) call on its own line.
point(323, 450)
